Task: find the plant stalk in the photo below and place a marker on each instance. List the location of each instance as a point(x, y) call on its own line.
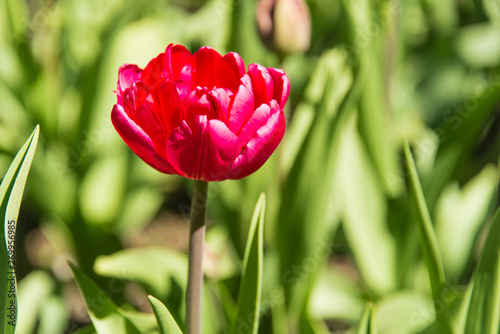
point(195, 271)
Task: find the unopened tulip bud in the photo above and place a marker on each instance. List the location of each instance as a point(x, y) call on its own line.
point(284, 25)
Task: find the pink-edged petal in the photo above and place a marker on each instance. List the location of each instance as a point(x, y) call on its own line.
point(206, 61)
point(186, 147)
point(260, 147)
point(168, 107)
point(281, 86)
point(178, 63)
point(145, 117)
point(243, 105)
point(127, 75)
point(224, 147)
point(262, 84)
point(138, 140)
point(257, 120)
point(197, 104)
point(152, 74)
point(220, 99)
point(229, 71)
point(129, 103)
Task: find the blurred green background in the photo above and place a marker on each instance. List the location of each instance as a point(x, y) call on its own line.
point(339, 229)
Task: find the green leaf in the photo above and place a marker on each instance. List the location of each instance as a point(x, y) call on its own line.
point(366, 229)
point(33, 292)
point(429, 245)
point(166, 323)
point(427, 237)
point(170, 268)
point(11, 193)
point(460, 213)
point(484, 308)
point(247, 317)
point(404, 311)
point(366, 324)
point(105, 315)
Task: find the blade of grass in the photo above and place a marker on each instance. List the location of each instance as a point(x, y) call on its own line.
point(105, 315)
point(248, 314)
point(428, 241)
point(484, 308)
point(165, 321)
point(11, 193)
point(366, 324)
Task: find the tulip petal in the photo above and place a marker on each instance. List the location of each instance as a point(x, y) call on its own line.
point(256, 121)
point(242, 107)
point(152, 73)
point(178, 63)
point(224, 147)
point(168, 106)
point(186, 146)
point(138, 140)
point(260, 146)
point(229, 71)
point(281, 86)
point(206, 61)
point(145, 117)
point(262, 83)
point(220, 99)
point(127, 75)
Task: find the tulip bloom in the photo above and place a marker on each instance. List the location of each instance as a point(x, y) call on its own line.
point(201, 115)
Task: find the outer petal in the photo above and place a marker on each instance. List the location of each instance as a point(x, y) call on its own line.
point(152, 74)
point(167, 106)
point(206, 61)
point(242, 107)
point(229, 71)
point(145, 117)
point(178, 63)
point(138, 140)
point(128, 74)
point(223, 147)
point(220, 99)
point(262, 84)
point(281, 86)
point(258, 120)
point(260, 147)
point(186, 147)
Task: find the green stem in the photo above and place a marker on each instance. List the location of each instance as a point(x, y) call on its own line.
point(195, 272)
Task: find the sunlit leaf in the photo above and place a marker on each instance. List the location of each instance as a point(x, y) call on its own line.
point(248, 314)
point(105, 315)
point(165, 321)
point(33, 291)
point(366, 324)
point(427, 236)
point(11, 193)
point(484, 309)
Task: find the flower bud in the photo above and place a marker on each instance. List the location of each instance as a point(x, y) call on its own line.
point(284, 25)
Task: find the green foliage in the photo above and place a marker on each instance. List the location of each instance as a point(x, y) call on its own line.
point(348, 224)
point(250, 290)
point(366, 325)
point(106, 317)
point(166, 324)
point(484, 309)
point(11, 194)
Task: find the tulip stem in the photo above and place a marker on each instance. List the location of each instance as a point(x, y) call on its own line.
point(195, 271)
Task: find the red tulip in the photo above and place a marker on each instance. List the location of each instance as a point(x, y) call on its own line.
point(201, 115)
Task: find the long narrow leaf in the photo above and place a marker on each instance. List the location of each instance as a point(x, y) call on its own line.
point(105, 315)
point(165, 321)
point(428, 239)
point(11, 193)
point(366, 325)
point(484, 309)
point(247, 317)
